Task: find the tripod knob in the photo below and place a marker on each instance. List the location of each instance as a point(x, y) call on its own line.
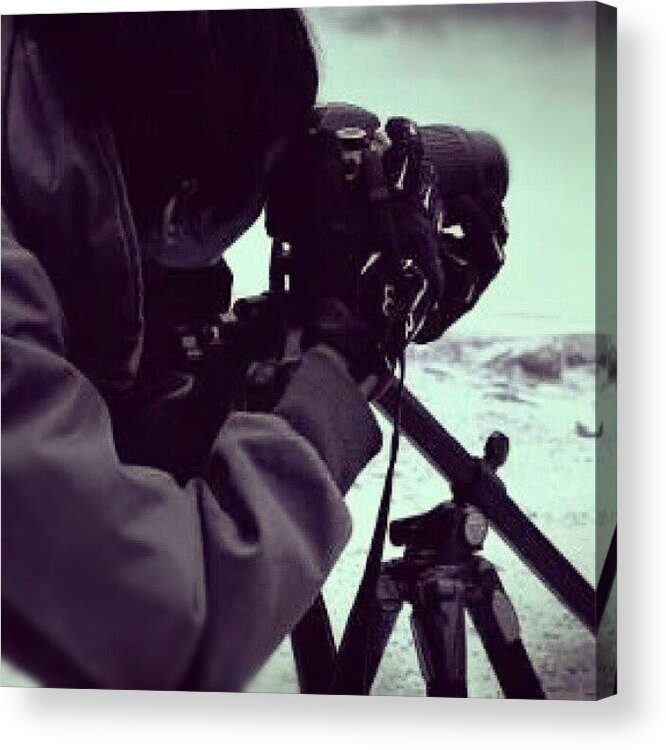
point(496, 450)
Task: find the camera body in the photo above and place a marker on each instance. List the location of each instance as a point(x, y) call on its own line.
point(370, 215)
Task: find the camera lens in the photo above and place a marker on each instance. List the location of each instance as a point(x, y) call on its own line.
point(467, 162)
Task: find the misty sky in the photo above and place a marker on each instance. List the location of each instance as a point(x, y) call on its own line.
point(522, 72)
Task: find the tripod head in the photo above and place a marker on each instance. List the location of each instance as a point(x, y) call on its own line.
point(447, 534)
point(454, 530)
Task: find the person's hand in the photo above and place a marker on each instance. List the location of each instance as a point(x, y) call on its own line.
point(334, 325)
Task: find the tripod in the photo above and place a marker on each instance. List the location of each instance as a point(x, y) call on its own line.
point(475, 484)
point(441, 575)
point(441, 585)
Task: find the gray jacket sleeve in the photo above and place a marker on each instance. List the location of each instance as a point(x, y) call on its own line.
point(140, 581)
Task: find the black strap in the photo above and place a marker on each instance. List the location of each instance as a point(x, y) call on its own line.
point(352, 674)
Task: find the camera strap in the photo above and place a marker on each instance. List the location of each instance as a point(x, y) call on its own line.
point(352, 674)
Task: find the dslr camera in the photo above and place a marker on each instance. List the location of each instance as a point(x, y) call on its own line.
point(403, 223)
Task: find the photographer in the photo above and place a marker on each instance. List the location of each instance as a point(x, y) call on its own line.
point(114, 574)
point(152, 536)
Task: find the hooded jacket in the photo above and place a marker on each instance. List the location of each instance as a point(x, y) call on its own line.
point(115, 575)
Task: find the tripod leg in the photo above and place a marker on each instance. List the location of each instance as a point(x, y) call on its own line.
point(384, 616)
point(497, 624)
point(314, 649)
point(438, 626)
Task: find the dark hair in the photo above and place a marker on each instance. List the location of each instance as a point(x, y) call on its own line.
point(196, 93)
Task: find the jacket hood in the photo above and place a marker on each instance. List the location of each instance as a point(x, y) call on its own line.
point(64, 192)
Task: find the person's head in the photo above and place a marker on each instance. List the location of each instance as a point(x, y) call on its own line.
point(199, 104)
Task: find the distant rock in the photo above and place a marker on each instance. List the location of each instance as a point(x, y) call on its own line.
point(543, 363)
